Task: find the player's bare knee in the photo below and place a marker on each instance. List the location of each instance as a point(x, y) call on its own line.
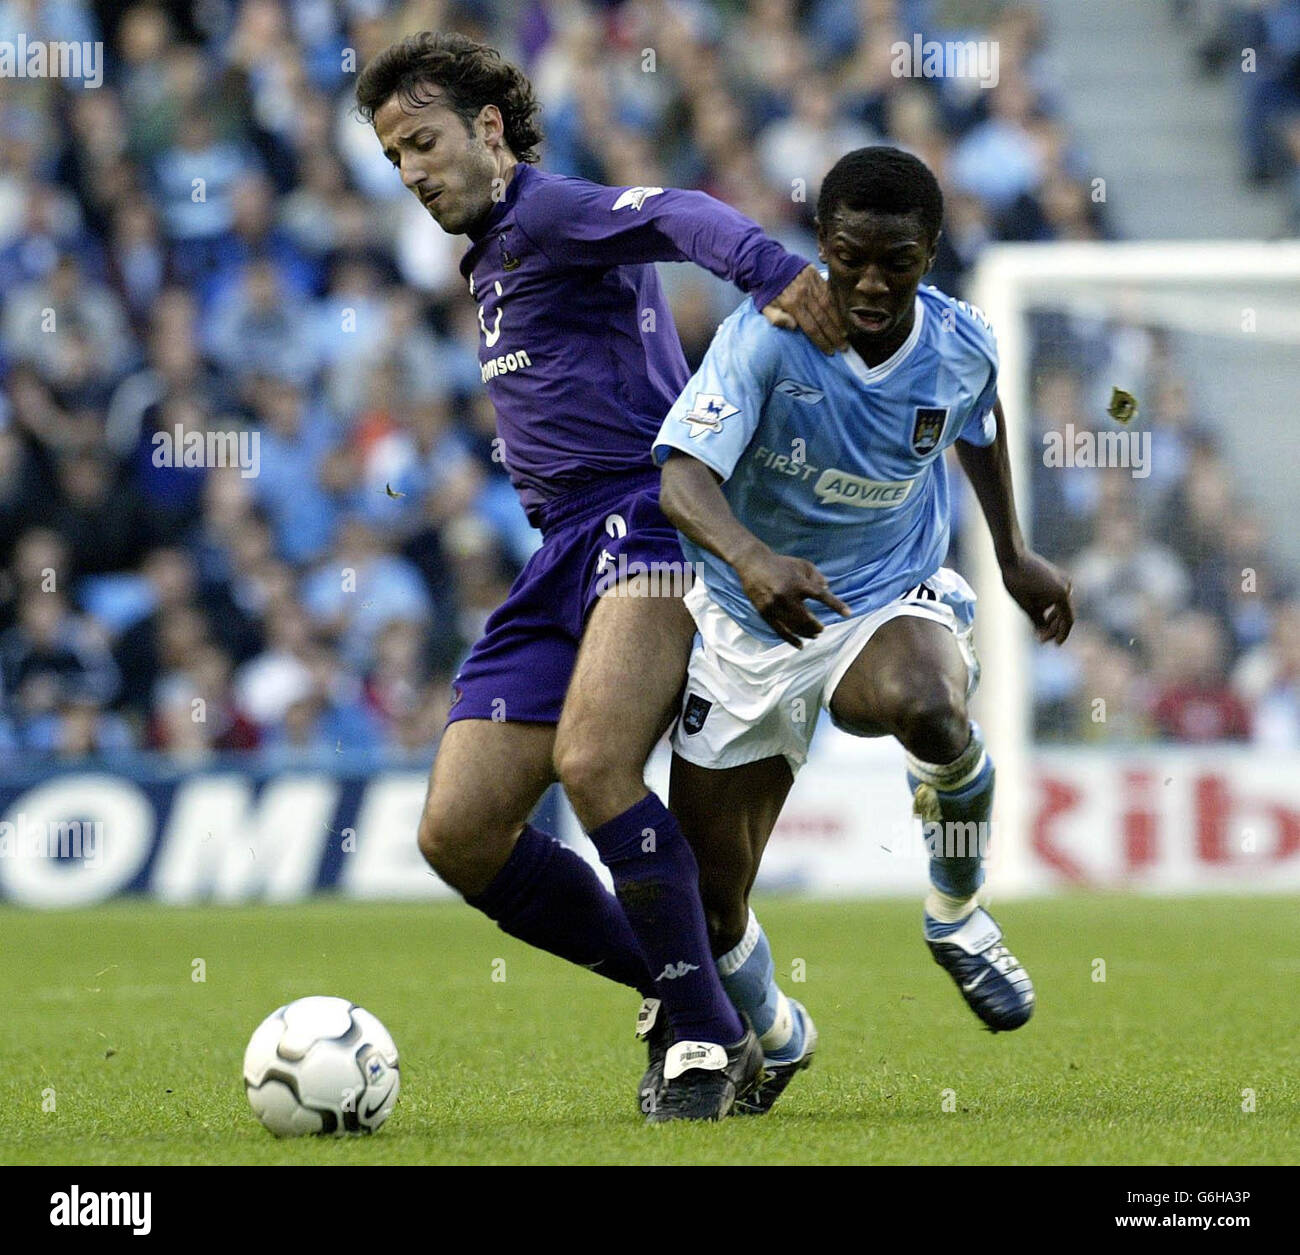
point(932, 721)
point(727, 926)
point(726, 906)
point(464, 856)
point(437, 840)
point(595, 776)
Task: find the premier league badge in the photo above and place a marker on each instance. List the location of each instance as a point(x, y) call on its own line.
point(927, 430)
point(708, 413)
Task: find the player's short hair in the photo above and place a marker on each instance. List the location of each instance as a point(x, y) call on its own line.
point(470, 75)
point(883, 180)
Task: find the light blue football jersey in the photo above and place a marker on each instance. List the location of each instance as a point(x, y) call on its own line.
point(827, 459)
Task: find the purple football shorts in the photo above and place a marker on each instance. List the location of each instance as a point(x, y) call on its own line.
point(519, 669)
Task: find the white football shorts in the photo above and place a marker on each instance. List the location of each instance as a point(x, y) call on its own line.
point(748, 699)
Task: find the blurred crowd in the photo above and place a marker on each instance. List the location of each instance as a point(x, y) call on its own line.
point(211, 240)
point(1188, 628)
point(1257, 44)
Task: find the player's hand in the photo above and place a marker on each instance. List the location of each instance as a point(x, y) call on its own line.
point(1042, 591)
point(777, 587)
point(805, 305)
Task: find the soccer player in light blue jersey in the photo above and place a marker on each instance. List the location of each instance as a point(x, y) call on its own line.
point(812, 494)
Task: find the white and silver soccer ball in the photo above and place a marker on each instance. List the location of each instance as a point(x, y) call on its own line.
point(321, 1065)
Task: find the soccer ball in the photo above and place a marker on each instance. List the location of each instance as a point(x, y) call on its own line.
point(321, 1065)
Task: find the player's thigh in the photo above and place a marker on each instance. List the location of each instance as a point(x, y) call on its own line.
point(625, 689)
point(909, 681)
point(486, 780)
point(727, 814)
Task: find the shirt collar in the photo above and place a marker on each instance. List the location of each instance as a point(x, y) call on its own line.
point(520, 173)
point(874, 374)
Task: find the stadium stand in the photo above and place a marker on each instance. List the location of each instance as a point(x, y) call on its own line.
point(307, 298)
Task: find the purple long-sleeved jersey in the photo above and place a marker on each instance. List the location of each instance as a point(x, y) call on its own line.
point(578, 348)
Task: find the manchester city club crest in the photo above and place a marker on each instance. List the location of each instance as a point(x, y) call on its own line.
point(696, 712)
point(927, 430)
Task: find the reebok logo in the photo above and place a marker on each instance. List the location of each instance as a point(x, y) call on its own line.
point(673, 970)
point(799, 391)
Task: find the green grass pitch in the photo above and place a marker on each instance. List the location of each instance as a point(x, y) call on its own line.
point(1196, 1016)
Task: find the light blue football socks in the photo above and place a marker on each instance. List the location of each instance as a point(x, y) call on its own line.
point(954, 802)
point(749, 977)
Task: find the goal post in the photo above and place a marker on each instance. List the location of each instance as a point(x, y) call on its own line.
point(1231, 312)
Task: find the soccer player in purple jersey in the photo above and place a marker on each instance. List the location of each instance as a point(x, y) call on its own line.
point(578, 672)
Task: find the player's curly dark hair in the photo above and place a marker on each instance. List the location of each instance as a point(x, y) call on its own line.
point(886, 181)
point(470, 75)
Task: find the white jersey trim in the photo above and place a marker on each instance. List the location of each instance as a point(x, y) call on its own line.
point(874, 374)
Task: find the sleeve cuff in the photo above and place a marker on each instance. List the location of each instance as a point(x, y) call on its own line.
point(781, 279)
point(988, 431)
point(663, 447)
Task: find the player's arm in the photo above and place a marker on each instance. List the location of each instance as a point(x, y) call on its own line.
point(777, 585)
point(1037, 587)
point(586, 224)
